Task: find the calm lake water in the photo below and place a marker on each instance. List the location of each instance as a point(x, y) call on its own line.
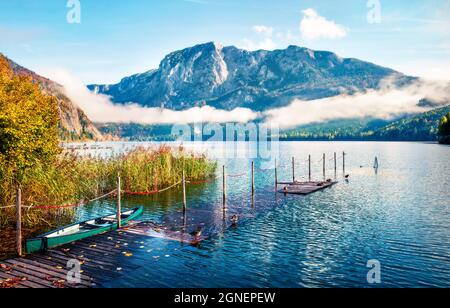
point(399, 216)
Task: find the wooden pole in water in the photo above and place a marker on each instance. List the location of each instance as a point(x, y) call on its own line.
point(343, 162)
point(119, 210)
point(309, 164)
point(324, 167)
point(335, 164)
point(293, 169)
point(224, 188)
point(253, 178)
point(184, 192)
point(19, 220)
point(276, 176)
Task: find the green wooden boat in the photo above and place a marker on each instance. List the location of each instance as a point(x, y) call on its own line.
point(79, 231)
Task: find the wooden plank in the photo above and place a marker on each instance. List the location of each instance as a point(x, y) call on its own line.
point(33, 276)
point(85, 260)
point(306, 188)
point(99, 255)
point(42, 269)
point(26, 283)
point(89, 269)
point(53, 264)
point(118, 252)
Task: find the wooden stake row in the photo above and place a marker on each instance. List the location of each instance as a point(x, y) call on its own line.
point(324, 168)
point(225, 193)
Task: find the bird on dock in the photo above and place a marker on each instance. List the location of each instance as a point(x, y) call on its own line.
point(197, 233)
point(347, 176)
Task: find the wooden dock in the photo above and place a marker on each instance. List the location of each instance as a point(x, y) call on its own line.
point(103, 258)
point(304, 188)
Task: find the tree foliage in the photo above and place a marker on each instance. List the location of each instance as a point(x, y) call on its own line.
point(444, 126)
point(28, 125)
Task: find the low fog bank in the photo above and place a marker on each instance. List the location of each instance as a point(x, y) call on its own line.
point(387, 103)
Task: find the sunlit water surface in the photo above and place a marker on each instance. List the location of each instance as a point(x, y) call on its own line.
point(399, 216)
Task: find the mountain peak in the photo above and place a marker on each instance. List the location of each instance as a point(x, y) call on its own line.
point(229, 77)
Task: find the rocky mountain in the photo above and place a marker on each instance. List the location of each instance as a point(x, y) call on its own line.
point(74, 124)
point(228, 77)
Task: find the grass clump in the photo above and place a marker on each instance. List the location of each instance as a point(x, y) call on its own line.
point(72, 178)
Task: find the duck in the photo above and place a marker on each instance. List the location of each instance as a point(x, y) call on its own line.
point(235, 220)
point(197, 233)
point(347, 176)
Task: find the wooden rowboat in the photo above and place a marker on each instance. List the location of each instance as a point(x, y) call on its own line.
point(79, 231)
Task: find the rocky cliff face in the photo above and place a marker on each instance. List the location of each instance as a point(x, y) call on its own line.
point(228, 77)
point(74, 124)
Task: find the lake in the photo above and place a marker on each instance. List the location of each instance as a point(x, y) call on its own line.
point(399, 216)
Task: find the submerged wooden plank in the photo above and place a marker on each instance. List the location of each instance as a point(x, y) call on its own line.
point(305, 188)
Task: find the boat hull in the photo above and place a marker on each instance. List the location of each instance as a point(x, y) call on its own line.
point(44, 242)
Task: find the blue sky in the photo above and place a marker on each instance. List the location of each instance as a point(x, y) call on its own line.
point(118, 38)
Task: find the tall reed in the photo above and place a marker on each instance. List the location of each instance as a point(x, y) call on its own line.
point(74, 178)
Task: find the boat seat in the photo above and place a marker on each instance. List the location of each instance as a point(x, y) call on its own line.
point(99, 223)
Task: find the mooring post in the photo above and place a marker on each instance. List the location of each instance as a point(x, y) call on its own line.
point(335, 164)
point(119, 210)
point(343, 162)
point(19, 220)
point(253, 178)
point(184, 192)
point(184, 221)
point(293, 169)
point(276, 176)
point(324, 167)
point(224, 188)
point(309, 164)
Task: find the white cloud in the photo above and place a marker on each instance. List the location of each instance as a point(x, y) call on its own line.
point(263, 30)
point(99, 108)
point(264, 44)
point(264, 41)
point(430, 69)
point(287, 36)
point(313, 27)
point(387, 103)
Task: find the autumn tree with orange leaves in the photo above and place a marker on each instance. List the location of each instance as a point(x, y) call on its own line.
point(28, 126)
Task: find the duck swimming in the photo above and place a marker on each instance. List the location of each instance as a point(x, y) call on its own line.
point(235, 220)
point(197, 233)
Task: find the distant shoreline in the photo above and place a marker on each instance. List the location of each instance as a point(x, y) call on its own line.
point(92, 142)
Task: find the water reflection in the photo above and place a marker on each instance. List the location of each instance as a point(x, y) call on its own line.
point(397, 213)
